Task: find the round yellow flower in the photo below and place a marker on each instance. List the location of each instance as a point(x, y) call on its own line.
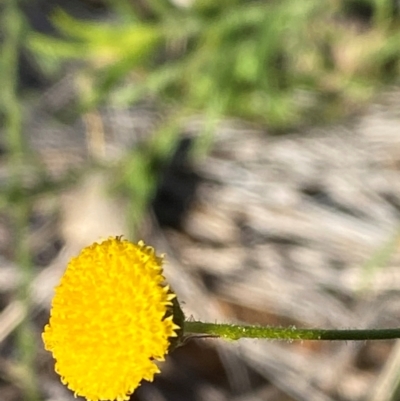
point(111, 318)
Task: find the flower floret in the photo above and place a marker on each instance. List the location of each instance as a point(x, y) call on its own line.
point(111, 319)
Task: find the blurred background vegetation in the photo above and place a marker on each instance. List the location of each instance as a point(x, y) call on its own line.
point(278, 65)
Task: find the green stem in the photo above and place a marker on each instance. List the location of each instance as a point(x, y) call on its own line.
point(13, 32)
point(235, 332)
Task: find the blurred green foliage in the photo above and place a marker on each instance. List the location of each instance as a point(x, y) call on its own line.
point(279, 63)
point(12, 202)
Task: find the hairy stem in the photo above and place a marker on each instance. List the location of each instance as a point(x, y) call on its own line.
point(235, 332)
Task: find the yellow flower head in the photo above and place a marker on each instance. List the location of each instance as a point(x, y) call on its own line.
point(111, 318)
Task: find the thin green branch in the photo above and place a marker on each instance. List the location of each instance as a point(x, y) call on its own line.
point(235, 332)
point(9, 61)
point(12, 25)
